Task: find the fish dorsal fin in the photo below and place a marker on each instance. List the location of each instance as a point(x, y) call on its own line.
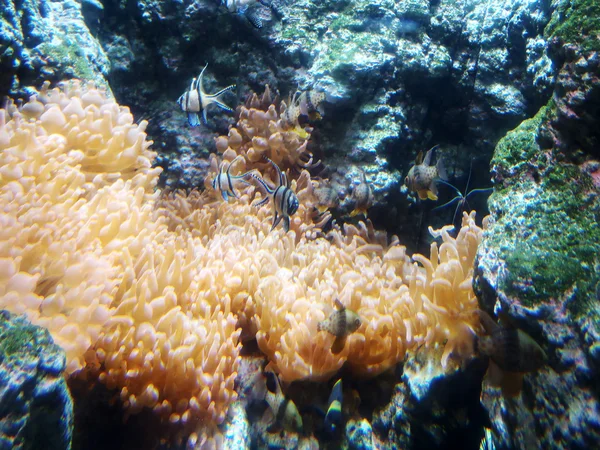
point(339, 306)
point(429, 155)
point(419, 158)
point(487, 322)
point(199, 83)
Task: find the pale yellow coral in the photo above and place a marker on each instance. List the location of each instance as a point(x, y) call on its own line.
point(163, 286)
point(84, 253)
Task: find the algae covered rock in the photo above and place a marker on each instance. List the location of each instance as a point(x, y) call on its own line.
point(538, 261)
point(36, 411)
point(45, 39)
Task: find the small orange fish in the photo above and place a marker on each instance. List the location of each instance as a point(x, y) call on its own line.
point(340, 323)
point(422, 176)
point(512, 353)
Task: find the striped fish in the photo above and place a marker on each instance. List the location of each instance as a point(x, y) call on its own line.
point(285, 202)
point(224, 182)
point(195, 100)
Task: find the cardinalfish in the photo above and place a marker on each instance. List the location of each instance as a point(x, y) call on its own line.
point(225, 183)
point(246, 8)
point(285, 201)
point(362, 196)
point(282, 409)
point(195, 100)
point(512, 353)
point(308, 106)
point(340, 323)
point(422, 176)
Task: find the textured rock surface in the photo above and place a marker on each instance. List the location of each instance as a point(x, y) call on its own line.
point(48, 40)
point(36, 412)
point(399, 77)
point(432, 410)
point(539, 260)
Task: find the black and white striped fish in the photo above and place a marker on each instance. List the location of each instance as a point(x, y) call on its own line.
point(285, 202)
point(224, 182)
point(195, 100)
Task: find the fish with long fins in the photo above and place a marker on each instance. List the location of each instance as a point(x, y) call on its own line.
point(423, 175)
point(284, 200)
point(512, 353)
point(224, 182)
point(362, 196)
point(340, 323)
point(195, 100)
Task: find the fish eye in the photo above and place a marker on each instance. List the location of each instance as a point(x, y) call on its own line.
point(357, 322)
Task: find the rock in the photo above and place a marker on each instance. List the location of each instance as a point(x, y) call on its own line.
point(432, 408)
point(36, 411)
point(47, 40)
point(538, 259)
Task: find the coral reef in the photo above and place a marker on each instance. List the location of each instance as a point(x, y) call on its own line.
point(35, 404)
point(154, 292)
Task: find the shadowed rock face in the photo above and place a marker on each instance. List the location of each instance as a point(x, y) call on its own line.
point(36, 411)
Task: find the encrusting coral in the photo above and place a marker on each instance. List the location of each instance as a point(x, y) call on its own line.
point(157, 290)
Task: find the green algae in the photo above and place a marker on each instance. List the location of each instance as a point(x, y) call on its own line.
point(67, 53)
point(16, 340)
point(547, 228)
point(576, 22)
point(548, 209)
point(520, 144)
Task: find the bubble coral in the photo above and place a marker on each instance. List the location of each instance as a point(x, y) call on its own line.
point(158, 289)
point(84, 253)
point(262, 131)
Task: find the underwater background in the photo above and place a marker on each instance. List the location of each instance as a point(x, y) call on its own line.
point(257, 224)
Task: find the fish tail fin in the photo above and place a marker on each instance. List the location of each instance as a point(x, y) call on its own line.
point(222, 91)
point(214, 98)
